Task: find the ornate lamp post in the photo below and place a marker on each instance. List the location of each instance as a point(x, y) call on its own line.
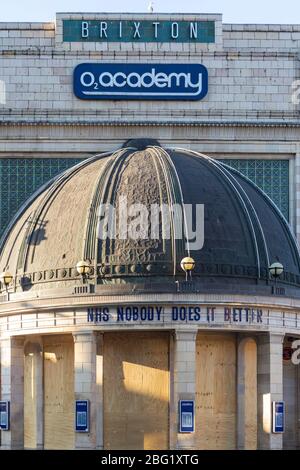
point(83, 268)
point(275, 270)
point(6, 278)
point(187, 265)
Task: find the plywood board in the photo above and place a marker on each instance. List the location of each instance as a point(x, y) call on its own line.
point(250, 364)
point(290, 437)
point(59, 392)
point(29, 402)
point(136, 390)
point(216, 391)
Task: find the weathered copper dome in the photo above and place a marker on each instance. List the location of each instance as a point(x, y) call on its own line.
point(243, 231)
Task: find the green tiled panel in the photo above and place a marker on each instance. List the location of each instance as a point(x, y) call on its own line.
point(20, 178)
point(125, 31)
point(272, 176)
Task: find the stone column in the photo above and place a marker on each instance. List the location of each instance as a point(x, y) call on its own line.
point(34, 347)
point(88, 386)
point(269, 387)
point(184, 379)
point(12, 389)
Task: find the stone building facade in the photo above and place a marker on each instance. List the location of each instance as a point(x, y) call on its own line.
point(248, 114)
point(249, 119)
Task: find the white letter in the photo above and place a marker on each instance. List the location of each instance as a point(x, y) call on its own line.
point(138, 227)
point(122, 75)
point(194, 239)
point(155, 24)
point(178, 77)
point(107, 222)
point(174, 30)
point(193, 30)
point(136, 32)
point(2, 92)
point(84, 29)
point(161, 80)
point(152, 79)
point(106, 74)
point(120, 29)
point(103, 28)
point(296, 94)
point(123, 218)
point(87, 74)
point(160, 213)
point(132, 84)
point(296, 354)
point(178, 218)
point(195, 85)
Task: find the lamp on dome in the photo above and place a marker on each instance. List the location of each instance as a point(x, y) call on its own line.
point(187, 265)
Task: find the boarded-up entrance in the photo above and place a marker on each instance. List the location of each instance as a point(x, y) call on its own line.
point(136, 390)
point(59, 392)
point(30, 401)
point(250, 397)
point(291, 387)
point(216, 391)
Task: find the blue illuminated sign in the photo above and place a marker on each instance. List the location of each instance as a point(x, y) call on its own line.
point(278, 416)
point(82, 416)
point(186, 416)
point(140, 81)
point(4, 415)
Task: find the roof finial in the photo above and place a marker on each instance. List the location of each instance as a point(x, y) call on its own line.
point(150, 7)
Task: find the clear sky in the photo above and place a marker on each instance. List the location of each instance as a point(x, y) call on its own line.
point(234, 11)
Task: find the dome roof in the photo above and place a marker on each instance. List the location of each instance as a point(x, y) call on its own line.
point(243, 231)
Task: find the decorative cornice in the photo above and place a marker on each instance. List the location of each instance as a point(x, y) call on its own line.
point(109, 273)
point(66, 301)
point(99, 54)
point(149, 123)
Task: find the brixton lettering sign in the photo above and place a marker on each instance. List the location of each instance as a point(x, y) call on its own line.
point(138, 31)
point(141, 81)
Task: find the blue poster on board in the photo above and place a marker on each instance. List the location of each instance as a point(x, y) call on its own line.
point(4, 415)
point(186, 416)
point(82, 416)
point(278, 416)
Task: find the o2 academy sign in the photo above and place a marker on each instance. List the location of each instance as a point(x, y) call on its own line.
point(138, 31)
point(140, 81)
